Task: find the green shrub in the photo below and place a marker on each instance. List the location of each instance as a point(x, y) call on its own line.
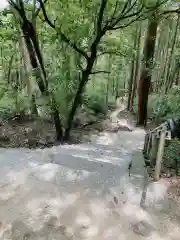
point(171, 157)
point(164, 106)
point(96, 103)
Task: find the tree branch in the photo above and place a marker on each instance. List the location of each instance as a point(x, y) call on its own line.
point(129, 23)
point(42, 7)
point(39, 9)
point(62, 35)
point(100, 15)
point(100, 31)
point(171, 11)
point(125, 6)
point(15, 6)
point(123, 17)
point(111, 53)
point(126, 14)
point(115, 10)
point(123, 13)
point(96, 72)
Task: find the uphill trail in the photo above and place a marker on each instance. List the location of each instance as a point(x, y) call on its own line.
point(84, 191)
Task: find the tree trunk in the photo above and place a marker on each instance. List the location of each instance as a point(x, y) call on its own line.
point(145, 78)
point(44, 87)
point(27, 70)
point(108, 80)
point(172, 78)
point(132, 76)
point(35, 65)
point(137, 67)
point(165, 58)
point(177, 77)
point(57, 121)
point(131, 83)
point(77, 99)
point(34, 110)
point(117, 87)
point(163, 53)
point(167, 83)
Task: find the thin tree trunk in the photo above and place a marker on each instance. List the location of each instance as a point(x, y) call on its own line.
point(171, 55)
point(27, 69)
point(145, 79)
point(172, 78)
point(77, 99)
point(108, 81)
point(166, 57)
point(137, 67)
point(43, 86)
point(117, 87)
point(177, 77)
point(162, 47)
point(131, 83)
point(132, 75)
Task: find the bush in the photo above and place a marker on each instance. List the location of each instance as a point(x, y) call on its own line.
point(6, 113)
point(162, 107)
point(172, 156)
point(96, 103)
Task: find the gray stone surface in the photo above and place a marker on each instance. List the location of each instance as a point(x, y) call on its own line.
point(82, 192)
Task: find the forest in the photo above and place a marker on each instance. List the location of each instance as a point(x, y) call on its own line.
point(64, 64)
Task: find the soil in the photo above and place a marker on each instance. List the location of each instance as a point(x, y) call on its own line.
point(174, 191)
point(36, 132)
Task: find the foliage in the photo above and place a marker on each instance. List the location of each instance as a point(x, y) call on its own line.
point(165, 106)
point(71, 37)
point(171, 159)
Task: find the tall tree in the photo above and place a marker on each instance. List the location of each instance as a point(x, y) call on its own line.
point(168, 77)
point(36, 59)
point(137, 64)
point(109, 17)
point(146, 72)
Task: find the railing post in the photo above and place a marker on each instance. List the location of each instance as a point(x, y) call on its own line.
point(145, 186)
point(153, 153)
point(160, 154)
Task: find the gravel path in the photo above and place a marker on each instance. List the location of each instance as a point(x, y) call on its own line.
point(83, 192)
